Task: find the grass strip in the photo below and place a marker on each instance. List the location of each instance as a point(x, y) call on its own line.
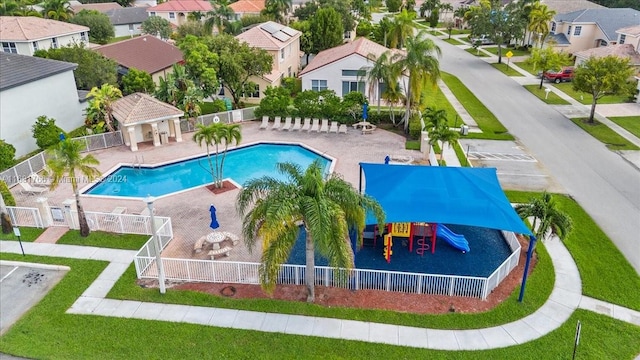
point(462, 157)
point(505, 69)
point(629, 123)
point(516, 52)
point(586, 98)
point(27, 234)
point(527, 67)
point(604, 134)
point(104, 239)
point(453, 41)
point(485, 119)
point(476, 52)
point(551, 99)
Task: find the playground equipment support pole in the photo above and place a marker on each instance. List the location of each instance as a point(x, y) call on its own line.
point(532, 245)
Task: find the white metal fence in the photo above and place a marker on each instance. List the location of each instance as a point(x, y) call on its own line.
point(146, 255)
point(226, 117)
point(101, 141)
point(23, 216)
point(505, 268)
point(124, 223)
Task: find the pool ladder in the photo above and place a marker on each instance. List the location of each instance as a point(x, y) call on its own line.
point(138, 163)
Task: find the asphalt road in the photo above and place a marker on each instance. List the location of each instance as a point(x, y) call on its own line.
point(602, 182)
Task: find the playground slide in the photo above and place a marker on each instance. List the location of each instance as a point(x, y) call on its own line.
point(456, 240)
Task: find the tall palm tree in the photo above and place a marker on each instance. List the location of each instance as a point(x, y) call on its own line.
point(402, 28)
point(102, 100)
point(278, 9)
point(437, 125)
point(420, 62)
point(545, 210)
point(380, 72)
point(327, 208)
point(393, 95)
point(57, 9)
point(227, 134)
point(206, 134)
point(539, 19)
point(219, 16)
point(66, 164)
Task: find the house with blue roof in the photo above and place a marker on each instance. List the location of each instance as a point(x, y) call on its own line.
point(590, 28)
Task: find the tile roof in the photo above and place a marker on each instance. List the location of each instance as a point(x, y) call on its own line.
point(101, 7)
point(361, 46)
point(247, 6)
point(182, 5)
point(623, 51)
point(269, 36)
point(16, 70)
point(147, 53)
point(609, 20)
point(566, 6)
point(129, 15)
point(29, 28)
point(630, 30)
point(142, 108)
point(559, 39)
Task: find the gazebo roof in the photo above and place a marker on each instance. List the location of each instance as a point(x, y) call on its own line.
point(142, 108)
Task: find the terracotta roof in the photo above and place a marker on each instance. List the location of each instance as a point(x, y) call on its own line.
point(145, 52)
point(361, 46)
point(101, 7)
point(29, 28)
point(247, 6)
point(269, 36)
point(630, 30)
point(18, 69)
point(182, 5)
point(623, 51)
point(142, 108)
point(570, 5)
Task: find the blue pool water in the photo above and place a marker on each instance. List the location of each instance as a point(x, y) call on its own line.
point(240, 165)
point(488, 251)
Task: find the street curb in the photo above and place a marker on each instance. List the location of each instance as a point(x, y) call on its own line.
point(35, 265)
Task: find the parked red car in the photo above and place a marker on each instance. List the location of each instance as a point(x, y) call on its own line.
point(566, 74)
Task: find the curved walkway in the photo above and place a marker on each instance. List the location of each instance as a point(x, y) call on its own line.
point(565, 298)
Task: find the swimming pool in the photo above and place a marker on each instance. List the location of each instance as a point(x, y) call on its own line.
point(241, 164)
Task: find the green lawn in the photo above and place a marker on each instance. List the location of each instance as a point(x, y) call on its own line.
point(475, 52)
point(27, 234)
point(460, 154)
point(460, 31)
point(527, 67)
point(630, 123)
point(516, 52)
point(552, 99)
point(488, 123)
point(586, 99)
point(603, 133)
point(433, 97)
point(453, 41)
point(505, 69)
point(105, 240)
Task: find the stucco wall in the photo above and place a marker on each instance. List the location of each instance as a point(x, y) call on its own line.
point(55, 96)
point(26, 48)
point(123, 30)
point(587, 39)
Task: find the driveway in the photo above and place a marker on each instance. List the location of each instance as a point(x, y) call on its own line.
point(604, 184)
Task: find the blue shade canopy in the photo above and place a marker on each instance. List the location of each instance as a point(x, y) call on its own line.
point(447, 195)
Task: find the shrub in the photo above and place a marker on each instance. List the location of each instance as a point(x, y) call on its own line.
point(46, 132)
point(364, 28)
point(7, 155)
point(6, 194)
point(414, 128)
point(275, 102)
point(294, 85)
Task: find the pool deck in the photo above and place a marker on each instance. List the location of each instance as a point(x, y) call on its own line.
point(189, 211)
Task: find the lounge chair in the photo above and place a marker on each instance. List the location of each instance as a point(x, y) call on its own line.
point(342, 129)
point(40, 181)
point(296, 125)
point(307, 125)
point(325, 126)
point(315, 126)
point(334, 127)
point(287, 124)
point(276, 123)
point(27, 189)
point(265, 122)
point(113, 215)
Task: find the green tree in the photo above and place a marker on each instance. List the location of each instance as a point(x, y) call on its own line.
point(93, 68)
point(157, 26)
point(393, 95)
point(421, 63)
point(546, 59)
point(546, 216)
point(609, 75)
point(5, 219)
point(539, 19)
point(382, 71)
point(7, 155)
point(57, 10)
point(393, 5)
point(277, 9)
point(382, 31)
point(226, 134)
point(306, 11)
point(219, 16)
point(101, 101)
point(18, 8)
point(437, 125)
point(137, 81)
point(191, 27)
point(206, 134)
point(275, 102)
point(200, 64)
point(216, 134)
point(326, 207)
point(428, 6)
point(403, 26)
point(46, 132)
point(101, 30)
point(326, 30)
point(66, 163)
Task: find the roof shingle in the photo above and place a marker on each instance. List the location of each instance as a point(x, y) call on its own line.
point(269, 36)
point(140, 108)
point(16, 70)
point(29, 28)
point(624, 51)
point(129, 15)
point(100, 7)
point(247, 6)
point(609, 20)
point(182, 5)
point(146, 53)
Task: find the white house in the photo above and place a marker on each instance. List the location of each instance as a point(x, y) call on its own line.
point(343, 68)
point(31, 87)
point(177, 11)
point(26, 34)
point(127, 21)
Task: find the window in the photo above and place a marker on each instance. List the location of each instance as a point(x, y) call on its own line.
point(255, 94)
point(318, 85)
point(54, 43)
point(9, 47)
point(83, 36)
point(281, 54)
point(569, 31)
point(553, 27)
point(35, 45)
point(172, 15)
point(152, 13)
point(577, 31)
point(354, 73)
point(289, 71)
point(604, 43)
point(623, 37)
point(349, 86)
point(130, 27)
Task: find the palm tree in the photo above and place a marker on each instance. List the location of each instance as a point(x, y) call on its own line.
point(393, 95)
point(66, 164)
point(102, 101)
point(539, 20)
point(437, 125)
point(278, 9)
point(544, 210)
point(421, 63)
point(328, 208)
point(57, 9)
point(219, 16)
point(227, 134)
point(380, 72)
point(402, 28)
point(206, 134)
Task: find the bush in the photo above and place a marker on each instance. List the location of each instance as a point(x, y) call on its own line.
point(414, 128)
point(393, 5)
point(6, 194)
point(100, 28)
point(46, 132)
point(294, 85)
point(364, 28)
point(7, 155)
point(275, 102)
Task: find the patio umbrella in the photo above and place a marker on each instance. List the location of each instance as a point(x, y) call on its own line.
point(214, 221)
point(387, 159)
point(365, 107)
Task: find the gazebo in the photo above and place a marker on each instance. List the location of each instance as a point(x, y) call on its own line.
point(143, 118)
